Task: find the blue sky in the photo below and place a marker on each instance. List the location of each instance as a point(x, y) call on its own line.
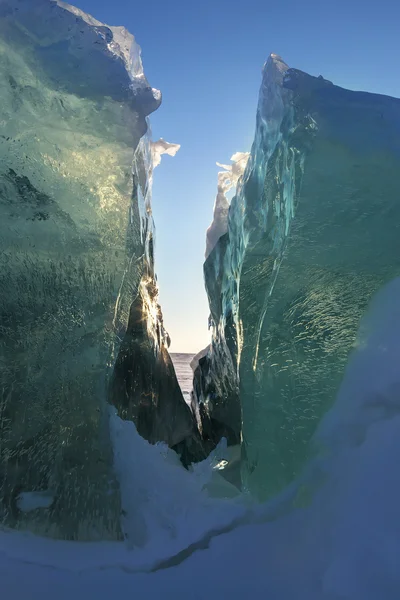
point(206, 57)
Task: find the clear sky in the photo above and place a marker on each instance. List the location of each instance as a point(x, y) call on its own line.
point(206, 58)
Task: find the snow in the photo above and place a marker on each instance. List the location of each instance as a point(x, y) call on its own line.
point(343, 544)
point(158, 520)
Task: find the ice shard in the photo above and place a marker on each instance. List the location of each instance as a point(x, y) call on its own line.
point(78, 291)
point(215, 385)
point(313, 233)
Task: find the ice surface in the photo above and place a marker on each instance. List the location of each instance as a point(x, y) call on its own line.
point(312, 235)
point(340, 542)
point(227, 179)
point(28, 501)
point(76, 267)
point(194, 363)
point(216, 394)
point(161, 147)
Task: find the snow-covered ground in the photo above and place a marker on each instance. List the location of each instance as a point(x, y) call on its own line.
point(340, 538)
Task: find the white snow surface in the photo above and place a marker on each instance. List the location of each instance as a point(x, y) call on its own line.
point(342, 543)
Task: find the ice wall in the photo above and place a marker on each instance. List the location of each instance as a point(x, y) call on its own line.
point(215, 386)
point(78, 291)
point(312, 235)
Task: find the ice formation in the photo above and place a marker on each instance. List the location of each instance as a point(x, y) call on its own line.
point(227, 180)
point(342, 541)
point(312, 234)
point(78, 292)
point(297, 360)
point(161, 147)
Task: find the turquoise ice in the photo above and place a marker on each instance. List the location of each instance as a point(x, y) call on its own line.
point(312, 235)
point(76, 268)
